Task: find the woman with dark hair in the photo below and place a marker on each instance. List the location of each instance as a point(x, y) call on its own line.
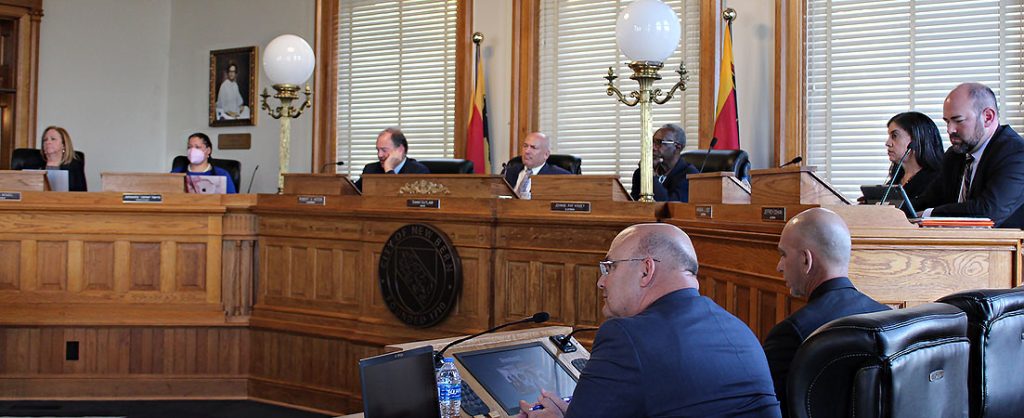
point(59, 154)
point(916, 132)
point(199, 150)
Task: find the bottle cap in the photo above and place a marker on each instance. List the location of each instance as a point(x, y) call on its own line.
point(449, 360)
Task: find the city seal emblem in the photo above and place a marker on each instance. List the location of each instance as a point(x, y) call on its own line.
point(420, 275)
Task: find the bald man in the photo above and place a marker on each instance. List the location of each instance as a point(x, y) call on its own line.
point(665, 350)
point(534, 151)
point(982, 172)
point(814, 258)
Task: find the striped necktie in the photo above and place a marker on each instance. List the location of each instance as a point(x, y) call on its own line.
point(524, 186)
point(965, 184)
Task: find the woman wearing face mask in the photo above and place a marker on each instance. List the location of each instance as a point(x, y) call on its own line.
point(199, 150)
point(914, 134)
point(59, 154)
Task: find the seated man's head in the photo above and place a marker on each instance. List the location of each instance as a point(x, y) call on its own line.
point(535, 150)
point(972, 116)
point(814, 248)
point(391, 140)
point(644, 263)
point(669, 142)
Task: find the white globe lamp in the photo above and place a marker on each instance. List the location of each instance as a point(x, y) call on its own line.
point(647, 30)
point(288, 59)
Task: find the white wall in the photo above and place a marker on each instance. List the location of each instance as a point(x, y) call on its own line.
point(199, 26)
point(130, 79)
point(103, 68)
point(754, 60)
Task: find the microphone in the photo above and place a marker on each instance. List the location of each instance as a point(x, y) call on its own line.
point(564, 342)
point(895, 173)
point(711, 146)
point(536, 318)
point(336, 163)
point(795, 160)
point(247, 191)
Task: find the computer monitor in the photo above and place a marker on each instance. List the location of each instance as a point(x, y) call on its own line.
point(58, 179)
point(897, 197)
point(519, 372)
point(206, 184)
point(400, 385)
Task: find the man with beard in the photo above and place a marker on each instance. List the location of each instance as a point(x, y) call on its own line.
point(670, 169)
point(982, 172)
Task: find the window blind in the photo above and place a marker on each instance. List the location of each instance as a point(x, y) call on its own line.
point(577, 45)
point(396, 67)
point(869, 60)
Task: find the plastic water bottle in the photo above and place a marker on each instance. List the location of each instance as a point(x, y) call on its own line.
point(449, 389)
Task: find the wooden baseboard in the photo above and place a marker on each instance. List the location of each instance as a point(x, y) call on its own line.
point(122, 388)
point(323, 401)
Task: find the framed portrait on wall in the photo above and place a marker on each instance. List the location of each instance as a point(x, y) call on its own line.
point(233, 77)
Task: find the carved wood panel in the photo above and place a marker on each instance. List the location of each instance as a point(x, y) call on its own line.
point(98, 266)
point(52, 265)
point(10, 273)
point(144, 266)
point(190, 269)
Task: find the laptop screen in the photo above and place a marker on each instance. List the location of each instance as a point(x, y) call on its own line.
point(515, 373)
point(400, 385)
point(206, 184)
point(895, 196)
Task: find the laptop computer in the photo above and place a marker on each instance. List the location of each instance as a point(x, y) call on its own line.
point(206, 184)
point(400, 385)
point(58, 179)
point(897, 197)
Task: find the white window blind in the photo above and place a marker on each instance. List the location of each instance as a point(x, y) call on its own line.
point(396, 67)
point(869, 60)
point(577, 45)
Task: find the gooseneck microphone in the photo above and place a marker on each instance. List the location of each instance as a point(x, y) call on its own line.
point(564, 342)
point(251, 178)
point(895, 174)
point(536, 318)
point(335, 163)
point(795, 160)
point(711, 146)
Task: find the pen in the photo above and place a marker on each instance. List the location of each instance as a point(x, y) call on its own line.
point(536, 407)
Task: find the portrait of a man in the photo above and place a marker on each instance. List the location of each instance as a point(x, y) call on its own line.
point(233, 86)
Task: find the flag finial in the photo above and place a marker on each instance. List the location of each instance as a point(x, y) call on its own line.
point(729, 14)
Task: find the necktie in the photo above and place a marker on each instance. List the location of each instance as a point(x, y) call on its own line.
point(524, 186)
point(965, 185)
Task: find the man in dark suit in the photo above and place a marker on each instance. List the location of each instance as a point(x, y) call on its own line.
point(391, 149)
point(665, 350)
point(982, 172)
point(670, 169)
point(534, 152)
point(814, 258)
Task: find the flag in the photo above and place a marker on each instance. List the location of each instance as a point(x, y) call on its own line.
point(727, 123)
point(478, 147)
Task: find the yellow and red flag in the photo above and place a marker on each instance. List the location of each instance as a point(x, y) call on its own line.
point(478, 145)
point(727, 122)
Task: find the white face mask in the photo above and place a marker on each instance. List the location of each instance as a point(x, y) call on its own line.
point(196, 156)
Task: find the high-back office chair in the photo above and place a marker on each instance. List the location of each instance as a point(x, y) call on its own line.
point(570, 163)
point(448, 166)
point(900, 363)
point(995, 326)
point(735, 161)
point(32, 158)
point(233, 167)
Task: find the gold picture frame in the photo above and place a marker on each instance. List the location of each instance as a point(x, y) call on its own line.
point(225, 109)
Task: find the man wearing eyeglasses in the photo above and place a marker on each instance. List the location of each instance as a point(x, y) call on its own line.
point(665, 350)
point(670, 169)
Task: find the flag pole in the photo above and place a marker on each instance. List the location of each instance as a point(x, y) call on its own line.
point(730, 16)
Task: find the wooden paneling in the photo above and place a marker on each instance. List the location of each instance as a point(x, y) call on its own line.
point(99, 257)
point(144, 266)
point(52, 265)
point(10, 273)
point(190, 271)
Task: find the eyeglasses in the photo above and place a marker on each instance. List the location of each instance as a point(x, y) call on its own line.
point(606, 265)
point(660, 143)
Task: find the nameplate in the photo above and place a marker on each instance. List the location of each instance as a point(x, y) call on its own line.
point(583, 207)
point(423, 203)
point(313, 200)
point(704, 211)
point(10, 196)
point(142, 198)
point(773, 214)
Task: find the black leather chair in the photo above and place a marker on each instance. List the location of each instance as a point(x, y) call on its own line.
point(735, 161)
point(233, 167)
point(448, 166)
point(900, 363)
point(570, 163)
point(22, 158)
point(995, 326)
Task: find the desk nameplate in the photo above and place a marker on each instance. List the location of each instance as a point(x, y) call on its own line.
point(773, 214)
point(575, 207)
point(705, 211)
point(423, 203)
point(10, 196)
point(142, 198)
point(312, 200)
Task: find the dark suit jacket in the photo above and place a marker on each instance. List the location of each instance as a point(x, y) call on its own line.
point(411, 167)
point(675, 188)
point(684, 356)
point(76, 173)
point(996, 188)
point(832, 300)
point(512, 171)
point(918, 185)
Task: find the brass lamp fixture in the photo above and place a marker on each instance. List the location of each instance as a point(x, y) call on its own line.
point(647, 32)
point(288, 61)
